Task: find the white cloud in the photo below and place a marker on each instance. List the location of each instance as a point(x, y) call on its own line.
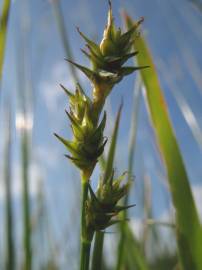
point(50, 88)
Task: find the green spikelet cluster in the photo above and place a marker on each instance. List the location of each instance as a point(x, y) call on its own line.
point(88, 142)
point(108, 59)
point(107, 70)
point(102, 207)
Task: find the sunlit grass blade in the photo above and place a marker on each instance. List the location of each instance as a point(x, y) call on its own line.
point(108, 163)
point(10, 243)
point(189, 232)
point(182, 103)
point(3, 30)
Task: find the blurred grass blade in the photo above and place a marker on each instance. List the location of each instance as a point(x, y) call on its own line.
point(189, 232)
point(64, 37)
point(153, 222)
point(3, 30)
point(26, 202)
point(134, 259)
point(99, 237)
point(10, 244)
point(197, 4)
point(122, 257)
point(134, 122)
point(183, 105)
point(147, 206)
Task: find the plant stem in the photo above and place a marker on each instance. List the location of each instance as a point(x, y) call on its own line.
point(85, 239)
point(97, 251)
point(85, 255)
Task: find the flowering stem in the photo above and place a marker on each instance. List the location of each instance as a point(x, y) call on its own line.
point(85, 238)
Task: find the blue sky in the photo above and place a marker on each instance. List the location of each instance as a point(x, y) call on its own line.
point(35, 65)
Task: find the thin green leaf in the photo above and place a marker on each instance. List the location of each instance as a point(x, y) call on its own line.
point(111, 153)
point(64, 36)
point(134, 259)
point(25, 155)
point(10, 244)
point(189, 233)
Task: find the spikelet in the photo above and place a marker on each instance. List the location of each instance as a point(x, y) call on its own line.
point(88, 142)
point(102, 207)
point(108, 59)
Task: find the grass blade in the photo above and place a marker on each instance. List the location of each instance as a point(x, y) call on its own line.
point(99, 237)
point(122, 256)
point(64, 37)
point(182, 103)
point(134, 259)
point(3, 30)
point(189, 233)
point(10, 246)
point(111, 154)
point(26, 201)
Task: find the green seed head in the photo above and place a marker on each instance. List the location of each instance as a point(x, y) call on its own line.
point(115, 44)
point(108, 59)
point(102, 207)
point(88, 141)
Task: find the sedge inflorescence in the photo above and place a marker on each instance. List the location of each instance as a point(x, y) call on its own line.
point(88, 142)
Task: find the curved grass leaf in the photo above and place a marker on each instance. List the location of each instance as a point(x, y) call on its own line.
point(3, 30)
point(189, 232)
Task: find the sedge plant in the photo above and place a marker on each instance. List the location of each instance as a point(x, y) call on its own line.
point(98, 209)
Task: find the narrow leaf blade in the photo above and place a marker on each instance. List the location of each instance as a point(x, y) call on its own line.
point(110, 158)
